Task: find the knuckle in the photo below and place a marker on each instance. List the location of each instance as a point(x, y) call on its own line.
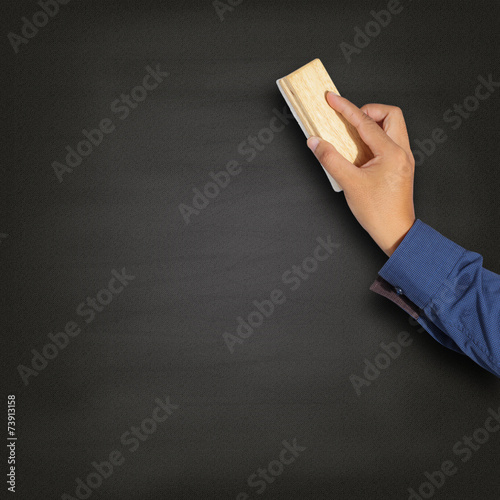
point(366, 118)
point(411, 159)
point(348, 113)
point(400, 117)
point(327, 157)
point(401, 158)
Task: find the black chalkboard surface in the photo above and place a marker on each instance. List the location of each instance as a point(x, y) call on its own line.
point(187, 299)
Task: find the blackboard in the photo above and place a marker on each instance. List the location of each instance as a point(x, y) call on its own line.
point(148, 213)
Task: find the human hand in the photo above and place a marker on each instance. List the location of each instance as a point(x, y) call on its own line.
point(380, 192)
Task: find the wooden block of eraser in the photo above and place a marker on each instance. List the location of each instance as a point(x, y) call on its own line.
point(305, 92)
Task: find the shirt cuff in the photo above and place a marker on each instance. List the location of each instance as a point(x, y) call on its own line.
point(385, 289)
point(421, 263)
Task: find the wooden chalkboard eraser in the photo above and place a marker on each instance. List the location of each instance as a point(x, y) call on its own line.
point(305, 91)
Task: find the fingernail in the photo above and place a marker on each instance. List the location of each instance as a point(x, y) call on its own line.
point(332, 92)
point(312, 143)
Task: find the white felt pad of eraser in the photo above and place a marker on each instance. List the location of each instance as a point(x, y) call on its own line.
point(335, 186)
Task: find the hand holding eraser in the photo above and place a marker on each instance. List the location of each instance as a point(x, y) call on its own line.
point(305, 91)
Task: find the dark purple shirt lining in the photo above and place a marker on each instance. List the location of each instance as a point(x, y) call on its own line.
point(385, 289)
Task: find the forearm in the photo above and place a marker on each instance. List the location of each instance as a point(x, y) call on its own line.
point(452, 292)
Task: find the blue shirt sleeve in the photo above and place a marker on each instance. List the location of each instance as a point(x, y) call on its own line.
point(459, 300)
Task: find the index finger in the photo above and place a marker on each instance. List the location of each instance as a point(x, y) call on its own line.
point(392, 120)
point(375, 138)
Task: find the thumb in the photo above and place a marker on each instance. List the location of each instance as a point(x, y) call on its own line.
point(332, 161)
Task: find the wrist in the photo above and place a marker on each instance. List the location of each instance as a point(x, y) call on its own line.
point(392, 238)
